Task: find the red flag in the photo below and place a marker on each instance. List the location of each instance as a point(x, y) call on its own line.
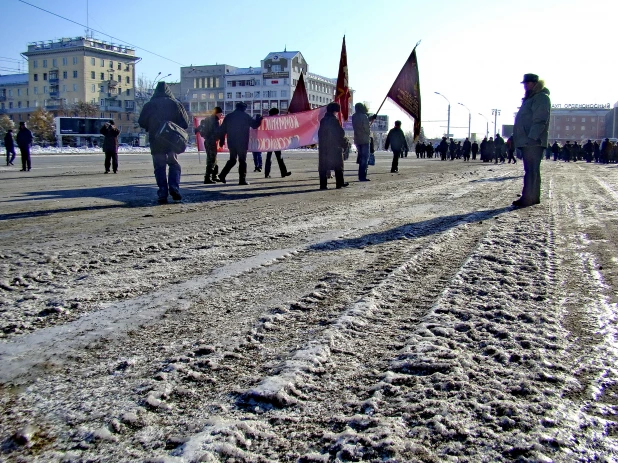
point(199, 141)
point(300, 99)
point(406, 91)
point(342, 96)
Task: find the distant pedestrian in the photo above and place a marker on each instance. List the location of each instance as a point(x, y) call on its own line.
point(110, 145)
point(510, 149)
point(9, 144)
point(161, 108)
point(257, 161)
point(282, 169)
point(491, 149)
point(362, 133)
point(396, 140)
point(530, 134)
point(597, 151)
point(484, 150)
point(236, 127)
point(499, 148)
point(606, 149)
point(209, 130)
point(331, 138)
point(555, 149)
point(24, 142)
point(467, 147)
point(452, 149)
point(588, 151)
point(443, 149)
point(475, 149)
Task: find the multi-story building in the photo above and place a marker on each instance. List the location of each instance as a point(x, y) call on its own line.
point(577, 124)
point(611, 123)
point(67, 71)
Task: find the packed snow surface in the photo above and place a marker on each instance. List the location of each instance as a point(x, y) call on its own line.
point(416, 317)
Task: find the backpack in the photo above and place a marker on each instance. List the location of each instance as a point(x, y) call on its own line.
point(171, 137)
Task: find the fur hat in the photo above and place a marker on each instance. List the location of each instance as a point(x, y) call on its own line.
point(333, 108)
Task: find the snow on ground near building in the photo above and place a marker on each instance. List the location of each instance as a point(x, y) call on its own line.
point(416, 317)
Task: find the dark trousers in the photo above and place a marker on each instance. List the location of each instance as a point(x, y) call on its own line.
point(363, 160)
point(324, 178)
point(111, 158)
point(211, 159)
point(512, 157)
point(241, 156)
point(531, 192)
point(165, 182)
point(26, 164)
point(280, 162)
point(257, 160)
point(395, 164)
point(10, 155)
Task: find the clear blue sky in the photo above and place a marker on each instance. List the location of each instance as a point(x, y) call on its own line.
point(474, 52)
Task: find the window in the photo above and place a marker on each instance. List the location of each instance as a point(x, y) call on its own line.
point(93, 88)
point(276, 68)
point(54, 63)
point(583, 119)
point(74, 87)
point(194, 96)
point(203, 96)
point(93, 75)
point(19, 92)
point(92, 61)
point(119, 66)
point(44, 76)
point(257, 94)
point(28, 104)
point(212, 96)
point(111, 77)
point(35, 64)
point(566, 128)
point(111, 65)
point(283, 94)
point(583, 127)
point(10, 93)
point(128, 91)
point(36, 77)
point(102, 76)
point(45, 89)
point(220, 95)
point(19, 104)
point(238, 94)
point(127, 80)
point(36, 90)
point(75, 60)
point(64, 88)
point(64, 74)
point(74, 74)
point(593, 119)
point(65, 61)
point(10, 105)
point(229, 95)
point(44, 63)
point(102, 62)
point(217, 82)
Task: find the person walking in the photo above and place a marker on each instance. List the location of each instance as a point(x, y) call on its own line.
point(555, 149)
point(597, 151)
point(588, 150)
point(24, 142)
point(484, 150)
point(443, 149)
point(510, 149)
point(499, 148)
point(236, 126)
point(331, 143)
point(110, 145)
point(606, 148)
point(360, 123)
point(475, 149)
point(284, 171)
point(396, 140)
point(9, 144)
point(452, 149)
point(467, 146)
point(161, 108)
point(209, 129)
point(531, 132)
point(257, 161)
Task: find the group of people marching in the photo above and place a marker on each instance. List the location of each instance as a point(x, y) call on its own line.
point(604, 153)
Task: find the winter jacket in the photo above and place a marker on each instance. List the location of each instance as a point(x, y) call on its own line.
point(236, 126)
point(555, 148)
point(161, 108)
point(443, 147)
point(110, 142)
point(360, 123)
point(332, 141)
point(532, 120)
point(499, 145)
point(9, 143)
point(397, 140)
point(209, 129)
point(466, 146)
point(24, 137)
point(475, 148)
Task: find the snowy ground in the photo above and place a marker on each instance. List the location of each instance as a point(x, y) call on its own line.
point(416, 317)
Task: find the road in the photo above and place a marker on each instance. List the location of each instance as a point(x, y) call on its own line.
point(416, 317)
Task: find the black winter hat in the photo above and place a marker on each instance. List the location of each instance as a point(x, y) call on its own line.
point(530, 78)
point(273, 111)
point(333, 108)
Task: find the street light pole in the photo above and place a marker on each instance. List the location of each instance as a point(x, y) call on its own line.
point(448, 122)
point(469, 118)
point(495, 113)
point(487, 128)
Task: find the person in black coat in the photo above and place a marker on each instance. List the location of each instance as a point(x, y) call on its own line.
point(474, 148)
point(284, 171)
point(332, 141)
point(24, 141)
point(467, 146)
point(9, 144)
point(499, 148)
point(555, 149)
point(588, 150)
point(236, 127)
point(397, 142)
point(597, 151)
point(484, 150)
point(491, 149)
point(209, 130)
point(161, 108)
point(110, 145)
point(443, 149)
point(452, 149)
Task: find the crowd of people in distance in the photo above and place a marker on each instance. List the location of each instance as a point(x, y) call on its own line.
point(496, 150)
point(605, 152)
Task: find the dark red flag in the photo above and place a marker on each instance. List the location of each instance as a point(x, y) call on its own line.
point(300, 99)
point(342, 96)
point(406, 91)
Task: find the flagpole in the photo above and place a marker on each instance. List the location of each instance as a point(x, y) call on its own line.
point(384, 100)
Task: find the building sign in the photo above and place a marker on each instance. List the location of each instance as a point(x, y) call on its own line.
point(581, 106)
point(276, 75)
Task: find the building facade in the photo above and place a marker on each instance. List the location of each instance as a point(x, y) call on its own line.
point(577, 124)
point(67, 71)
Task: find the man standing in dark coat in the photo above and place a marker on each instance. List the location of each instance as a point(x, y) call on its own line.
point(491, 149)
point(397, 142)
point(475, 149)
point(555, 149)
point(530, 134)
point(332, 141)
point(484, 150)
point(284, 171)
point(499, 148)
point(510, 149)
point(110, 145)
point(588, 150)
point(606, 149)
point(161, 108)
point(467, 146)
point(443, 149)
point(236, 126)
point(209, 130)
point(24, 141)
point(566, 151)
point(452, 147)
point(9, 144)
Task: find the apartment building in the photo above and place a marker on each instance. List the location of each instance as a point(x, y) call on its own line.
point(577, 124)
point(70, 70)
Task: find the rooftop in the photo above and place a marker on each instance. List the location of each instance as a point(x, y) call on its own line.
point(58, 44)
point(14, 79)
